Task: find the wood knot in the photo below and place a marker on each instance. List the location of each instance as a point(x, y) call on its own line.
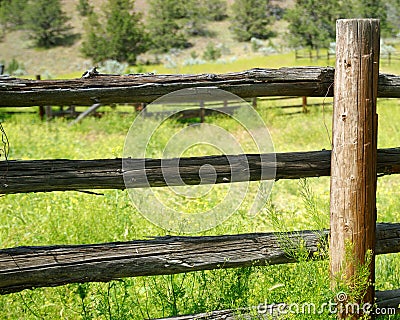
point(347, 64)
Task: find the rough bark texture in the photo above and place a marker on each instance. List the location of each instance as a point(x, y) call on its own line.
point(58, 175)
point(29, 267)
point(354, 152)
point(105, 89)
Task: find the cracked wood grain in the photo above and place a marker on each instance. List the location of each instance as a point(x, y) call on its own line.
point(19, 176)
point(106, 89)
point(30, 267)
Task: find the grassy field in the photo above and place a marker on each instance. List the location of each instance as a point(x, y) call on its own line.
point(77, 218)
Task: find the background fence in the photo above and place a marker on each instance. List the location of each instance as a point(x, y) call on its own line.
point(387, 56)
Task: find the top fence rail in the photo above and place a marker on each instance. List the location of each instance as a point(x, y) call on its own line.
point(131, 88)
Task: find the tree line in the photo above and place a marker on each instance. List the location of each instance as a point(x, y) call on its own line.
point(116, 31)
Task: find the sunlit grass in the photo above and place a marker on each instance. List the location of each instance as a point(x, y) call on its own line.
point(76, 218)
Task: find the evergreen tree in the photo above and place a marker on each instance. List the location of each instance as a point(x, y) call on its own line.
point(95, 44)
point(393, 16)
point(195, 18)
point(172, 21)
point(84, 8)
point(121, 37)
point(12, 13)
point(215, 10)
point(251, 18)
point(47, 23)
point(313, 24)
point(164, 30)
point(371, 9)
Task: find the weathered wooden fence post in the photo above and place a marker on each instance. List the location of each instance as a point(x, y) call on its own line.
point(353, 161)
point(304, 105)
point(41, 108)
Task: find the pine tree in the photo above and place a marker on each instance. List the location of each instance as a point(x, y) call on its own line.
point(251, 18)
point(122, 36)
point(312, 24)
point(194, 18)
point(95, 44)
point(393, 16)
point(47, 23)
point(164, 30)
point(84, 8)
point(371, 9)
point(215, 10)
point(12, 13)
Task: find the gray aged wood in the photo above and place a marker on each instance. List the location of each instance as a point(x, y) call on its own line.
point(59, 175)
point(105, 89)
point(388, 299)
point(84, 114)
point(29, 267)
point(354, 154)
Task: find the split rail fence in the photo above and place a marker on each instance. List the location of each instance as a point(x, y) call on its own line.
point(31, 267)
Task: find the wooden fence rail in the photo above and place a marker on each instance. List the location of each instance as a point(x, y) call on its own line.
point(106, 89)
point(28, 267)
point(62, 175)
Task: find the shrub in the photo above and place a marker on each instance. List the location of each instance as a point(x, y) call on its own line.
point(113, 66)
point(212, 52)
point(16, 68)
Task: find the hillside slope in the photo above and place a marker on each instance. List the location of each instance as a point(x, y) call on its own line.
point(60, 61)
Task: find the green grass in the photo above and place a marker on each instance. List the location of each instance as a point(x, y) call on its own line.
point(77, 218)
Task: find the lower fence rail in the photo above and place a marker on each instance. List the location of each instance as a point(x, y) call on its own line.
point(46, 266)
